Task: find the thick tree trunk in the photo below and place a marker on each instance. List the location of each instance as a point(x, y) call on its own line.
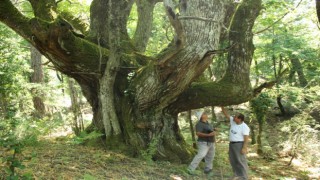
point(37, 78)
point(297, 67)
point(139, 131)
point(137, 106)
point(107, 81)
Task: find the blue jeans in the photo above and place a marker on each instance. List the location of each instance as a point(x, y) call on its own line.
point(206, 150)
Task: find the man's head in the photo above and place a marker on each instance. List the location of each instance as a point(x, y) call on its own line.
point(204, 117)
point(239, 118)
point(201, 116)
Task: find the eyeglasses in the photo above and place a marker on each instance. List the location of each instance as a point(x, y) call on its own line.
point(233, 132)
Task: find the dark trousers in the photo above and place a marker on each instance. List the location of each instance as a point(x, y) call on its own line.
point(238, 161)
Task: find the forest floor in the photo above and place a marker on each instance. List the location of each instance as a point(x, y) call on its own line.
point(60, 159)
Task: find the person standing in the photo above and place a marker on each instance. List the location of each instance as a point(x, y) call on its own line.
point(205, 144)
point(238, 137)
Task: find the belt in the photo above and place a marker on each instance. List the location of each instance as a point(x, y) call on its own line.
point(233, 142)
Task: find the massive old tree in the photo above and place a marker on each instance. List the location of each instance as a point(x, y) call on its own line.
point(136, 98)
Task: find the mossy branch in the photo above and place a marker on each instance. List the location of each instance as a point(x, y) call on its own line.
point(46, 10)
point(12, 17)
point(70, 52)
point(199, 95)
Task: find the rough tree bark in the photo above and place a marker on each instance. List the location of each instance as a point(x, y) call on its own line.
point(75, 107)
point(36, 77)
point(144, 24)
point(318, 9)
point(135, 98)
point(297, 68)
point(193, 137)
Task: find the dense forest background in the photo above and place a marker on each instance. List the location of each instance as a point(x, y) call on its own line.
point(44, 116)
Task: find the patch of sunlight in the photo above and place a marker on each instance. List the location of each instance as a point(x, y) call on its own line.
point(253, 154)
point(59, 132)
point(264, 168)
point(87, 2)
point(314, 172)
point(296, 162)
point(175, 177)
point(311, 172)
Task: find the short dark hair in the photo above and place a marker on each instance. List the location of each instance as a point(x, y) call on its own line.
point(240, 116)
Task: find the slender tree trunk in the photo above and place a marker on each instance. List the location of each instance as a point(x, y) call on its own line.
point(282, 110)
point(259, 137)
point(145, 17)
point(274, 62)
point(257, 73)
point(75, 106)
point(81, 122)
point(291, 77)
point(212, 77)
point(3, 105)
point(253, 135)
point(37, 78)
point(318, 10)
point(193, 137)
point(280, 69)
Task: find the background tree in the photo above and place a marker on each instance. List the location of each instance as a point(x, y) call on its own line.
point(37, 78)
point(75, 96)
point(260, 106)
point(284, 46)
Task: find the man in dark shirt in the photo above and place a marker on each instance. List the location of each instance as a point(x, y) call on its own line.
point(205, 143)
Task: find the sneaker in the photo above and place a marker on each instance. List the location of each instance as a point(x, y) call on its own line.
point(207, 170)
point(192, 172)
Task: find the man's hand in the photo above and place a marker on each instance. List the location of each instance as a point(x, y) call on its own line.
point(244, 150)
point(225, 113)
point(213, 133)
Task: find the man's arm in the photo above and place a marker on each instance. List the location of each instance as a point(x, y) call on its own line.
point(244, 149)
point(225, 113)
point(200, 134)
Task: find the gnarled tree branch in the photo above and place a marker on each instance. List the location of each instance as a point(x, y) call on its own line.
point(234, 87)
point(179, 65)
point(11, 16)
point(46, 10)
point(174, 20)
point(199, 95)
point(57, 41)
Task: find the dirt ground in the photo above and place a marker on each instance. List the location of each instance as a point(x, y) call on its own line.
point(52, 159)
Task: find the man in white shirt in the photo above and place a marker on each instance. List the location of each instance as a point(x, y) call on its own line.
point(238, 137)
